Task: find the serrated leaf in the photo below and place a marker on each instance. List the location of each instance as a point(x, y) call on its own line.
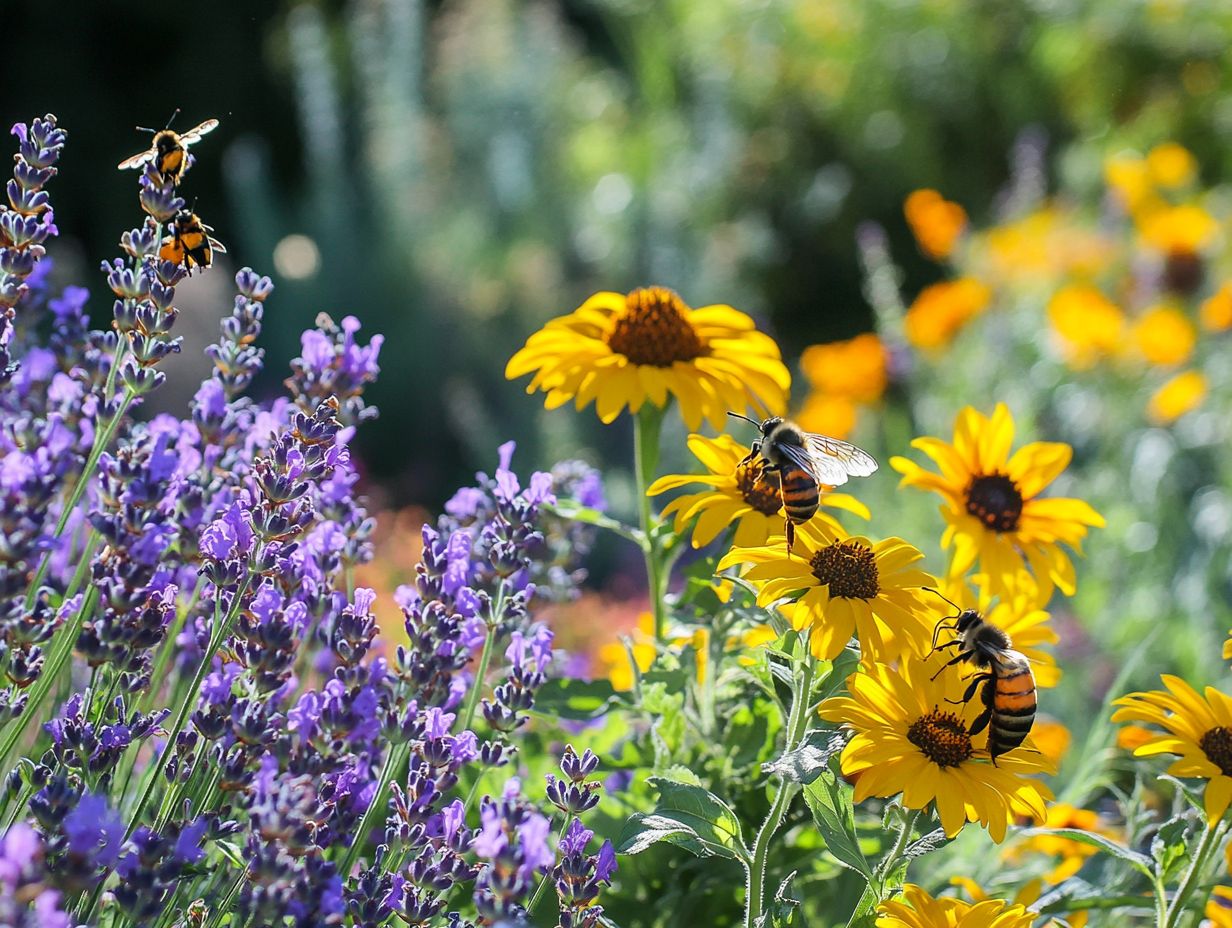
point(807, 762)
point(926, 844)
point(1139, 862)
point(689, 816)
point(577, 700)
point(829, 799)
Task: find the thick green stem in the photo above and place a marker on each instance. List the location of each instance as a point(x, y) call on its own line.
point(393, 761)
point(645, 462)
point(485, 660)
point(1193, 875)
point(891, 860)
point(797, 724)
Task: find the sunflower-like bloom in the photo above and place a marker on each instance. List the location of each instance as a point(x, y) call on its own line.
point(739, 493)
point(1019, 617)
point(1199, 732)
point(992, 504)
point(622, 351)
point(1069, 854)
point(1026, 897)
point(1179, 395)
point(842, 585)
point(908, 739)
point(917, 909)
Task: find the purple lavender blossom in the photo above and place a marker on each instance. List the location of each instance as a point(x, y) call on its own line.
point(25, 901)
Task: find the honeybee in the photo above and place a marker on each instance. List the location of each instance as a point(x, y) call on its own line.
point(169, 149)
point(804, 462)
point(190, 243)
point(1008, 693)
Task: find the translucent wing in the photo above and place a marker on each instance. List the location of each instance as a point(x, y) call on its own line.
point(824, 469)
point(218, 246)
point(854, 461)
point(187, 138)
point(137, 160)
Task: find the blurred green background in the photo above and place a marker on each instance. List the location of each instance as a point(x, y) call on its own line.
point(455, 173)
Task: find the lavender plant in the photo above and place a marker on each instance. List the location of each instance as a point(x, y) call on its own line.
point(199, 724)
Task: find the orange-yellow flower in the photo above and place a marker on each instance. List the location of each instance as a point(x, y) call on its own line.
point(1171, 165)
point(936, 222)
point(917, 909)
point(614, 657)
point(1198, 730)
point(1219, 907)
point(827, 414)
point(854, 368)
point(992, 502)
point(623, 351)
point(1165, 336)
point(1216, 310)
point(1072, 854)
point(1051, 738)
point(940, 311)
point(1089, 325)
point(1178, 230)
point(1129, 178)
point(1180, 395)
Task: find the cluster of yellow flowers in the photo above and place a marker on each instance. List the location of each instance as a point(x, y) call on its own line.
point(908, 709)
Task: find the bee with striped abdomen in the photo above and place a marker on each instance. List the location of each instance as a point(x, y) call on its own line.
point(805, 462)
point(169, 149)
point(1008, 693)
point(190, 243)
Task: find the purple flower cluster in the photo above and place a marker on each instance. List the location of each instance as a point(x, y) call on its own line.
point(513, 844)
point(26, 901)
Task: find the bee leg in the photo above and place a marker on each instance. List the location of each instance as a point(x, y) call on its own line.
point(791, 536)
point(980, 723)
point(966, 698)
point(956, 659)
point(942, 626)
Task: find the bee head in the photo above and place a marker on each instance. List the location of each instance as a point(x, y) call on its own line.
point(769, 425)
point(968, 618)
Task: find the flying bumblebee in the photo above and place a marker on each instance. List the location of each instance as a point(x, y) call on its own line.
point(169, 150)
point(804, 462)
point(190, 243)
point(1008, 692)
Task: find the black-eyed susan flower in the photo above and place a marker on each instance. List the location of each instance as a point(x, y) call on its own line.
point(1088, 325)
point(936, 222)
point(997, 518)
point(1018, 615)
point(910, 736)
point(739, 492)
point(1181, 394)
point(1165, 336)
point(940, 311)
point(625, 350)
point(841, 585)
point(1198, 730)
point(917, 909)
point(1069, 854)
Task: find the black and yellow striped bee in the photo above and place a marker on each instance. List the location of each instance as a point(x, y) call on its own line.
point(805, 462)
point(190, 243)
point(169, 149)
point(1008, 692)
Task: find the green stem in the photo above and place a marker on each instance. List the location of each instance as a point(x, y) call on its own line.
point(547, 877)
point(797, 724)
point(645, 462)
point(1193, 875)
point(393, 760)
point(891, 860)
point(485, 658)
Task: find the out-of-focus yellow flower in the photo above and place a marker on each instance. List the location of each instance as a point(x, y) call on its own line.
point(1129, 178)
point(941, 310)
point(615, 657)
point(842, 585)
point(1171, 165)
point(911, 736)
point(1183, 393)
point(621, 351)
point(917, 909)
point(1165, 335)
point(1178, 230)
point(1052, 739)
point(1227, 655)
point(935, 221)
point(1216, 310)
point(1018, 616)
point(828, 414)
point(1219, 907)
point(1132, 737)
point(996, 515)
point(1199, 732)
point(1089, 324)
point(854, 368)
point(1072, 854)
point(1048, 245)
point(740, 493)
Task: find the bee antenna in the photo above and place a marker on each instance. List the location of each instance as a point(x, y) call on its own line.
point(736, 415)
point(943, 596)
point(171, 118)
point(144, 129)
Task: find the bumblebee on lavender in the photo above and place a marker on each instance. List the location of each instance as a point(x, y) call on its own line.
point(1008, 693)
point(190, 243)
point(169, 149)
point(804, 462)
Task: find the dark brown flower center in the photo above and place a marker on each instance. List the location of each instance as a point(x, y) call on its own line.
point(1216, 744)
point(942, 738)
point(655, 330)
point(759, 487)
point(849, 568)
point(996, 501)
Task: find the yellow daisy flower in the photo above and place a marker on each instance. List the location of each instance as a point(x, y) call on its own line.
point(1165, 336)
point(935, 221)
point(1018, 616)
point(842, 585)
point(828, 414)
point(1026, 897)
point(940, 311)
point(1199, 732)
point(1089, 325)
point(1072, 854)
point(622, 350)
point(856, 368)
point(740, 493)
point(1219, 907)
point(992, 504)
point(908, 739)
point(1216, 310)
point(1181, 394)
point(917, 909)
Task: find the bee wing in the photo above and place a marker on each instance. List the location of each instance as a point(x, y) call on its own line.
point(137, 160)
point(217, 246)
point(187, 138)
point(854, 461)
point(824, 469)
